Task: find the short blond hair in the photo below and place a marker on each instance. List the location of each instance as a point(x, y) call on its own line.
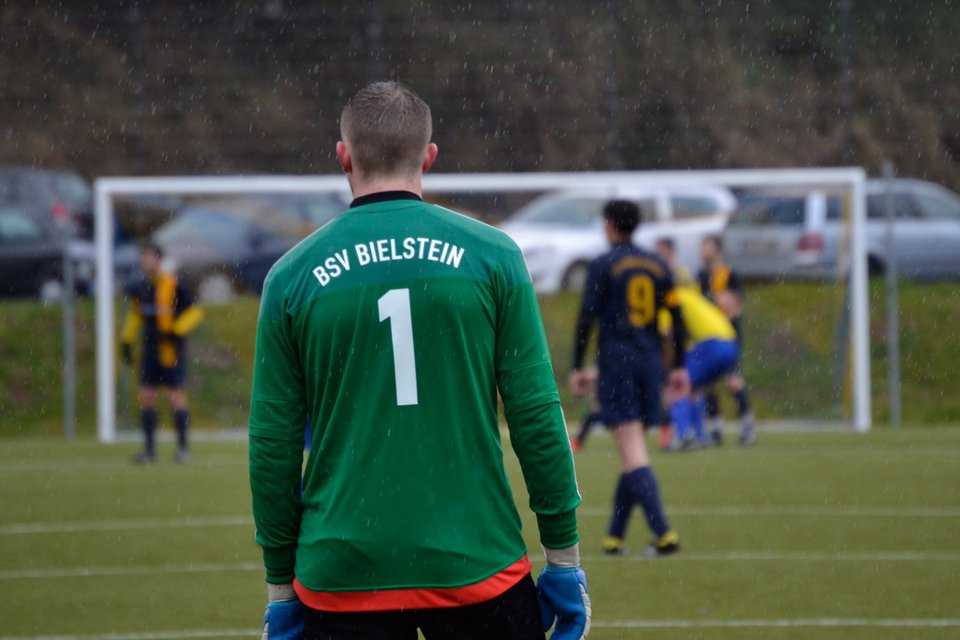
point(387, 127)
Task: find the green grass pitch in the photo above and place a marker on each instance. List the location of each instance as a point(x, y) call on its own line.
point(826, 535)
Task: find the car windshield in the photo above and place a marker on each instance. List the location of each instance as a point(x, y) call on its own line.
point(72, 189)
point(692, 207)
point(766, 210)
point(15, 226)
point(317, 209)
point(569, 212)
point(214, 229)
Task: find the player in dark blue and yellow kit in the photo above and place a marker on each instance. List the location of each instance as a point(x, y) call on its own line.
point(163, 308)
point(626, 288)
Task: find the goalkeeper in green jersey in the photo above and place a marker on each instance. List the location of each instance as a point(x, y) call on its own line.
point(392, 330)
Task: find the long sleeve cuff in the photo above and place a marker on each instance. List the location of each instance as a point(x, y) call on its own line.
point(279, 563)
point(558, 531)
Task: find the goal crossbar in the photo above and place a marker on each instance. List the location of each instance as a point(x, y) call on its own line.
point(105, 189)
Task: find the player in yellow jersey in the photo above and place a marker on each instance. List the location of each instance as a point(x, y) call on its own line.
point(713, 354)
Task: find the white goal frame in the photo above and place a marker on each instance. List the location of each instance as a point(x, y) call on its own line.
point(852, 178)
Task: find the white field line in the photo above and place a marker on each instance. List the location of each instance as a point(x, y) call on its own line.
point(785, 556)
point(926, 623)
point(190, 522)
point(130, 570)
point(804, 512)
point(732, 556)
point(895, 623)
point(196, 522)
point(151, 635)
point(119, 464)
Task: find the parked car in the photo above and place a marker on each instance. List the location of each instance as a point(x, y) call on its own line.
point(228, 245)
point(31, 254)
point(772, 236)
point(560, 233)
point(63, 195)
point(799, 235)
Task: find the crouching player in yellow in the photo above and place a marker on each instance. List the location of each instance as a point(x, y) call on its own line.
point(712, 354)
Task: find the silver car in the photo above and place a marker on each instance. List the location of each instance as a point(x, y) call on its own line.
point(798, 235)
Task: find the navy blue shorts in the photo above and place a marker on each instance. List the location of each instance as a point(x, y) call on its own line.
point(630, 388)
point(152, 374)
point(710, 360)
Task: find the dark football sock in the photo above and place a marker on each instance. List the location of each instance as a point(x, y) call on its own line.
point(712, 404)
point(181, 418)
point(148, 419)
point(589, 421)
point(622, 505)
point(743, 402)
point(643, 485)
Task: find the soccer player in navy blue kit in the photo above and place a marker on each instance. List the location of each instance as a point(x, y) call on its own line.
point(626, 288)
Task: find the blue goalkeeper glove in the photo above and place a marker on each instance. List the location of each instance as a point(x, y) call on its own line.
point(562, 594)
point(283, 619)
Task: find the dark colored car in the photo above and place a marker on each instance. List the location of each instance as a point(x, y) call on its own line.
point(62, 196)
point(31, 254)
point(228, 245)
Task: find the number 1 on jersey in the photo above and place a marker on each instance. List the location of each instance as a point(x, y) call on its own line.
point(394, 305)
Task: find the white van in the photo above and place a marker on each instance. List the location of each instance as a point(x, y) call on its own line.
point(560, 233)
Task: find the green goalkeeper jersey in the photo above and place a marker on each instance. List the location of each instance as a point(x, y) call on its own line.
point(391, 331)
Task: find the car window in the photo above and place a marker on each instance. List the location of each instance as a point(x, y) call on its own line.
point(217, 230)
point(321, 208)
point(692, 207)
point(315, 210)
point(937, 207)
point(320, 214)
point(12, 189)
point(760, 211)
point(576, 212)
point(17, 227)
point(73, 190)
point(834, 208)
point(903, 206)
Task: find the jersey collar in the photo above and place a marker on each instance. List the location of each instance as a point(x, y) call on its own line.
point(383, 196)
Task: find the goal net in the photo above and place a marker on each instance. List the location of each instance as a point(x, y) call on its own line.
point(806, 311)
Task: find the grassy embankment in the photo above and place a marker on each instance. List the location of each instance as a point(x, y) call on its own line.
point(791, 338)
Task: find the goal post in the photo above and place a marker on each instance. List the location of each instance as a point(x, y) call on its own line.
point(852, 179)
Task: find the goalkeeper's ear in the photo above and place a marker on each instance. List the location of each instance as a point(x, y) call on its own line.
point(429, 157)
point(344, 157)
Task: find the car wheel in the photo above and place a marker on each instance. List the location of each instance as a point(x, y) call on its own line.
point(215, 288)
point(875, 266)
point(50, 292)
point(575, 279)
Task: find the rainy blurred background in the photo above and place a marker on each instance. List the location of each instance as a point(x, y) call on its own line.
point(810, 529)
point(255, 87)
point(117, 88)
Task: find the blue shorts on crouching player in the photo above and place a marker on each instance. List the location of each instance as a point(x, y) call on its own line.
point(707, 362)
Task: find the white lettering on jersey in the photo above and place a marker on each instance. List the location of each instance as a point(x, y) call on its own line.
point(388, 250)
point(332, 267)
